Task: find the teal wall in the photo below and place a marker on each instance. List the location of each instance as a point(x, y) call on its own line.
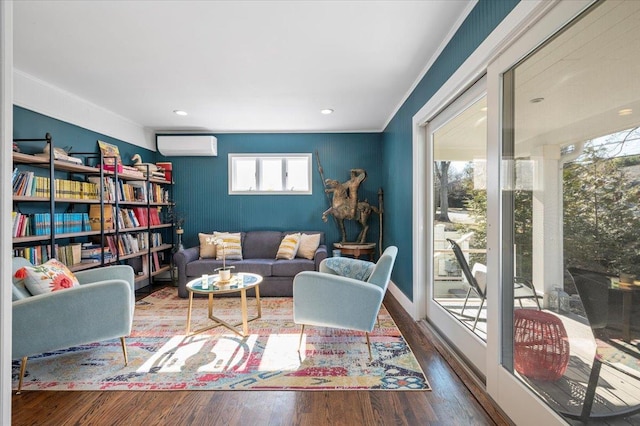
point(32, 125)
point(397, 136)
point(201, 188)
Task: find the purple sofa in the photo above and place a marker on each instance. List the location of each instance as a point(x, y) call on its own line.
point(259, 250)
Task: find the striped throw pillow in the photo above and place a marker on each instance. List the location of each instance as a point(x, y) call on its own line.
point(232, 246)
point(288, 247)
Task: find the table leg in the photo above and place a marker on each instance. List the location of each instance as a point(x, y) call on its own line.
point(258, 301)
point(189, 312)
point(245, 323)
point(210, 305)
point(627, 297)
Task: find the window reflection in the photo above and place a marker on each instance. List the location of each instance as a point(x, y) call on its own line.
point(460, 197)
point(572, 156)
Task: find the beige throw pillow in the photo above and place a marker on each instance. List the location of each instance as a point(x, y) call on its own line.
point(232, 246)
point(207, 250)
point(308, 245)
point(288, 247)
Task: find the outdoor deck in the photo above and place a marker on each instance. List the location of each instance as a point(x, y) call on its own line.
point(615, 390)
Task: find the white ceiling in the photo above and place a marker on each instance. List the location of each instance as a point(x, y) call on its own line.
point(582, 80)
point(237, 66)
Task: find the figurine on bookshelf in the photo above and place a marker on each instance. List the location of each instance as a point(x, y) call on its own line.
point(59, 154)
point(144, 167)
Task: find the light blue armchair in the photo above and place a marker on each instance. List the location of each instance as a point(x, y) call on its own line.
point(101, 308)
point(327, 299)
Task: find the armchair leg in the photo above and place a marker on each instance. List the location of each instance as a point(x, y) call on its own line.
point(23, 368)
point(369, 346)
point(301, 335)
point(124, 350)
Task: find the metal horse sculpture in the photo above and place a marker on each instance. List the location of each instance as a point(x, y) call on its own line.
point(343, 208)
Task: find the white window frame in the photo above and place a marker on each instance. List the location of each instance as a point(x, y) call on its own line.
point(259, 158)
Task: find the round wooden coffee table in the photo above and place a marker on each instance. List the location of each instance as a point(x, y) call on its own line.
point(238, 283)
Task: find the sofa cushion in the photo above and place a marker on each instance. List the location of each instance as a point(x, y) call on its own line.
point(308, 245)
point(288, 247)
point(207, 246)
point(256, 266)
point(52, 275)
point(232, 246)
point(289, 268)
point(199, 267)
point(261, 244)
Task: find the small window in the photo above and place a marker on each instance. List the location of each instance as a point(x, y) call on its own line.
point(261, 174)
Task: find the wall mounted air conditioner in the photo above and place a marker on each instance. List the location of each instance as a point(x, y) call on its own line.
point(187, 145)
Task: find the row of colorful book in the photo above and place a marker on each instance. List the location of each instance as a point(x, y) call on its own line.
point(132, 191)
point(40, 223)
point(127, 218)
point(69, 255)
point(26, 183)
point(131, 243)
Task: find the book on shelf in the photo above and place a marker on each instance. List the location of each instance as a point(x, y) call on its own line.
point(34, 254)
point(110, 155)
point(95, 253)
point(140, 191)
point(26, 183)
point(23, 225)
point(69, 255)
point(113, 247)
point(156, 239)
point(94, 217)
point(141, 215)
point(107, 184)
point(167, 169)
point(156, 261)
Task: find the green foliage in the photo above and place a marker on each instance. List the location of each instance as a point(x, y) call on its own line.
point(600, 211)
point(600, 208)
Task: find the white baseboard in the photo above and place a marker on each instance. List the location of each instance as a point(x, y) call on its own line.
point(404, 301)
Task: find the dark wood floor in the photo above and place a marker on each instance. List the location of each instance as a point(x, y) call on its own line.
point(449, 403)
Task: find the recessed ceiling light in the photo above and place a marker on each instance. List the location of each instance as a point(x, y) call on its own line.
point(536, 100)
point(179, 112)
point(625, 111)
point(326, 111)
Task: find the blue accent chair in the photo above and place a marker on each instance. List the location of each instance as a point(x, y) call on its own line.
point(101, 308)
point(327, 299)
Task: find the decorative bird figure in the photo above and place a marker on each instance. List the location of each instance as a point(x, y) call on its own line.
point(138, 164)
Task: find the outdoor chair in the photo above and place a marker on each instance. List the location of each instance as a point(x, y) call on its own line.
point(327, 299)
point(593, 289)
point(523, 289)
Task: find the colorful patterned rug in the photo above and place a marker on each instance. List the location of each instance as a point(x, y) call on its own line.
point(161, 357)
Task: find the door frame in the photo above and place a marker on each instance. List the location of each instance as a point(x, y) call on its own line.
point(6, 196)
point(528, 25)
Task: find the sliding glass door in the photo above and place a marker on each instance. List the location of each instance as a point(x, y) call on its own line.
point(457, 141)
point(571, 214)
